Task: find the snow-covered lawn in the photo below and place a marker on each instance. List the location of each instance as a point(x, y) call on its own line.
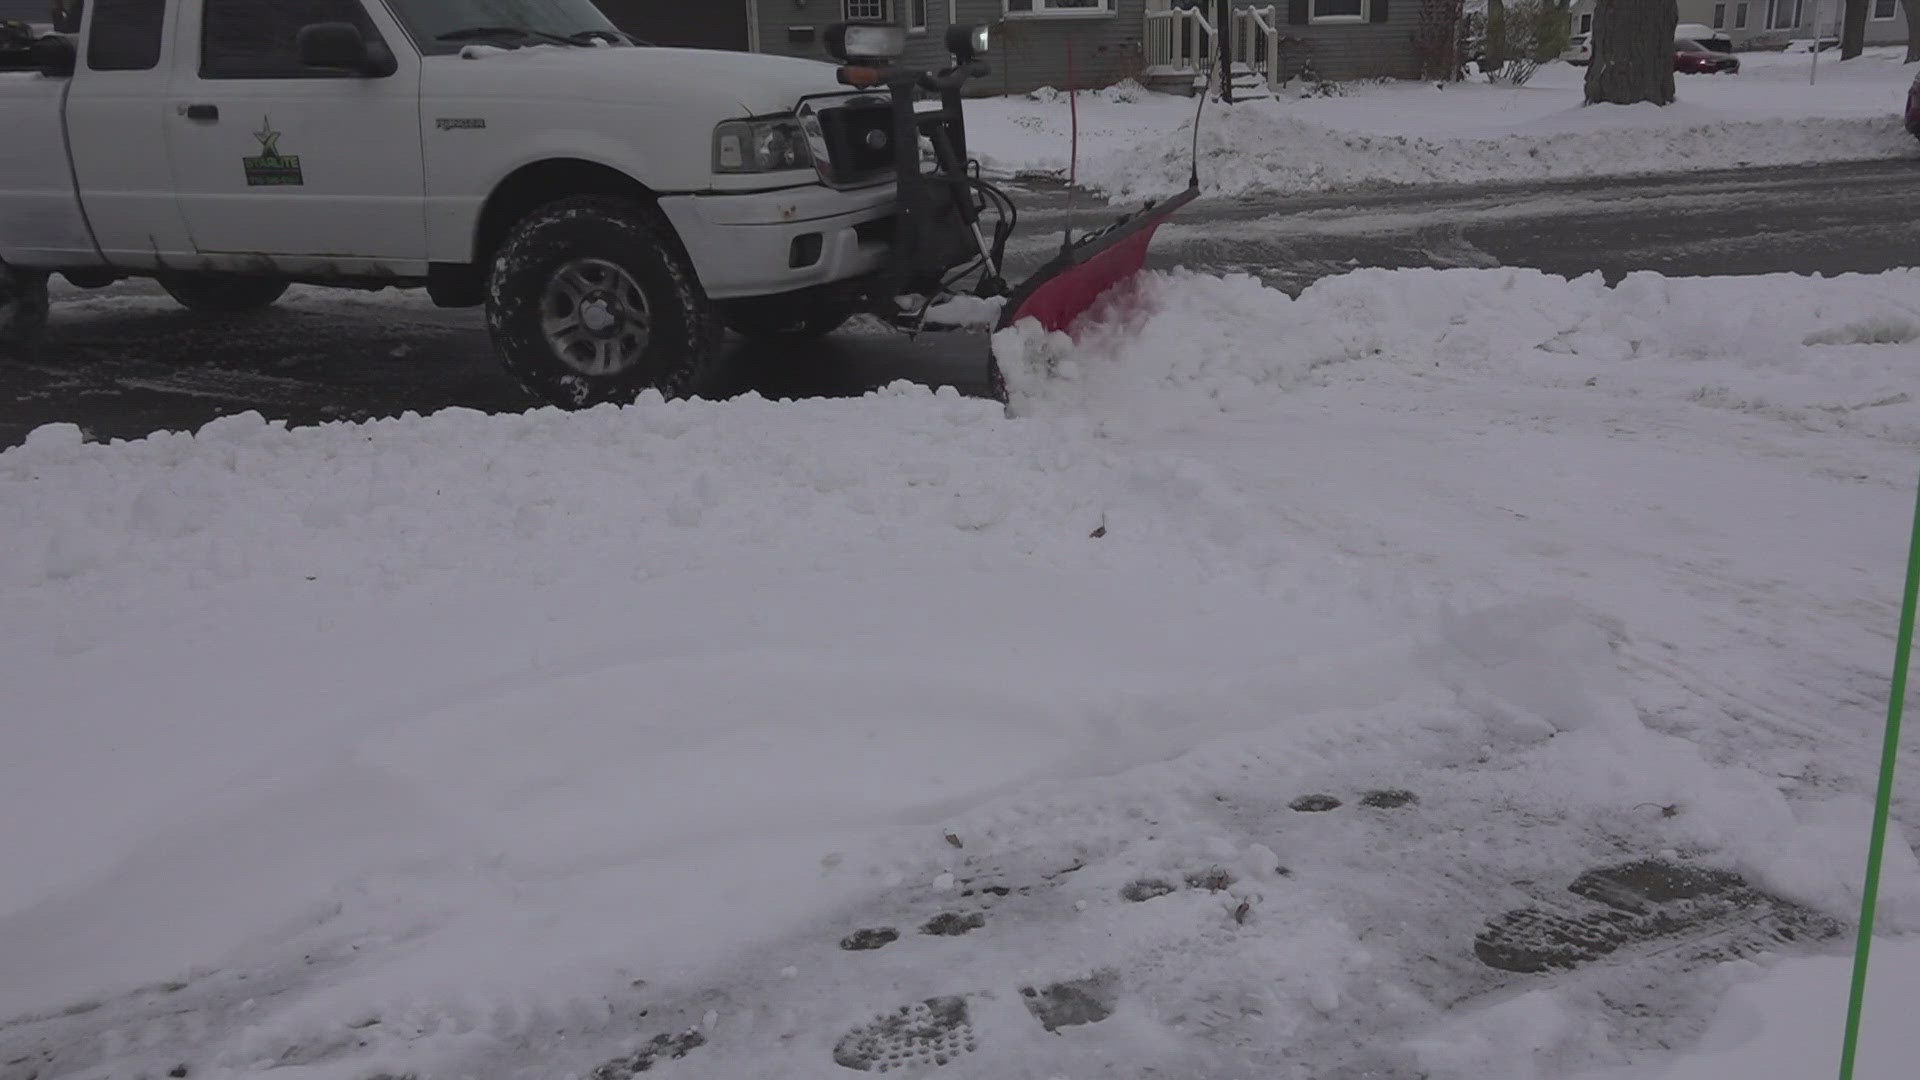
point(1135, 143)
point(505, 745)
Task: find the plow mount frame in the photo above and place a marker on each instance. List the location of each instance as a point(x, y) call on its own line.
point(938, 236)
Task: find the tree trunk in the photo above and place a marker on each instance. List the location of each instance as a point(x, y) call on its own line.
point(1853, 30)
point(1913, 29)
point(1632, 52)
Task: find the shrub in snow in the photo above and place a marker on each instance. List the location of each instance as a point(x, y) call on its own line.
point(1520, 36)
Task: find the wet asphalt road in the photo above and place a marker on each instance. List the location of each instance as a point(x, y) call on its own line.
point(124, 361)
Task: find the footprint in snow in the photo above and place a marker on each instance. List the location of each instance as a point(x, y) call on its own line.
point(873, 937)
point(1711, 914)
point(953, 924)
point(939, 1030)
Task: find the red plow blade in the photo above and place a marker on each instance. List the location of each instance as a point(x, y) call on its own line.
point(1071, 282)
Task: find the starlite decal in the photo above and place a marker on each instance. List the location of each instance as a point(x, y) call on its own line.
point(272, 168)
point(452, 123)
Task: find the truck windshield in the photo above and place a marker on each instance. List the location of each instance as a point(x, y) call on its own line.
point(447, 26)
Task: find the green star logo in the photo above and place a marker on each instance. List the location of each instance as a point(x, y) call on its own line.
point(272, 168)
point(269, 138)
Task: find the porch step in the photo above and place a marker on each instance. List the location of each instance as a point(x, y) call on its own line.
point(1248, 84)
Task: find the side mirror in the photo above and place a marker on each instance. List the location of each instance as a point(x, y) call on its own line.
point(967, 43)
point(339, 46)
point(56, 56)
point(66, 16)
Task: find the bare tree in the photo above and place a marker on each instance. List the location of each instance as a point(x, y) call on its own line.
point(1913, 29)
point(1853, 30)
point(1632, 52)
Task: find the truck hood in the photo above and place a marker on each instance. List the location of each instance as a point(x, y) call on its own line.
point(753, 84)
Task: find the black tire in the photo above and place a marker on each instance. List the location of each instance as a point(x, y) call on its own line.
point(613, 248)
point(785, 318)
point(223, 294)
point(23, 312)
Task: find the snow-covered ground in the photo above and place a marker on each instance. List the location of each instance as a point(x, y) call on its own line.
point(1135, 143)
point(515, 745)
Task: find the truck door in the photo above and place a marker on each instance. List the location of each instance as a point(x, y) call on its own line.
point(116, 133)
point(301, 164)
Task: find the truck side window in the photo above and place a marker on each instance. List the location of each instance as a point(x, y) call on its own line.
point(126, 35)
point(257, 39)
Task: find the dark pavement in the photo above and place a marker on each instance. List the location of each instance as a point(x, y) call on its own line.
point(124, 361)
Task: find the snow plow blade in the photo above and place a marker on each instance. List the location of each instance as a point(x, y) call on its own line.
point(1073, 281)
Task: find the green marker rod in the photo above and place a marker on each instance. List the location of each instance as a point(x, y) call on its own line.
point(1889, 754)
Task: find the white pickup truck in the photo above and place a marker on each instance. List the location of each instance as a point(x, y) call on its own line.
point(612, 205)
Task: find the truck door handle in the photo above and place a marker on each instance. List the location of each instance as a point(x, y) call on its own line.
point(203, 112)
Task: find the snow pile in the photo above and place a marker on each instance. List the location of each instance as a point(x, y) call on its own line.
point(1786, 1023)
point(1825, 353)
point(1259, 149)
point(1234, 684)
point(1134, 145)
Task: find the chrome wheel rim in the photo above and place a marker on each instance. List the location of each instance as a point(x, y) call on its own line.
point(595, 317)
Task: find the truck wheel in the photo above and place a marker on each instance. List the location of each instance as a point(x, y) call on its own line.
point(784, 318)
point(23, 312)
point(223, 294)
point(591, 300)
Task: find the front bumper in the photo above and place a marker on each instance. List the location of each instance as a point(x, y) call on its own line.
point(769, 242)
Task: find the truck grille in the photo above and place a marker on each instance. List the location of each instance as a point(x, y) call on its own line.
point(859, 140)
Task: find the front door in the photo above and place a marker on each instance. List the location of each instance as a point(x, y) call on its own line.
point(273, 158)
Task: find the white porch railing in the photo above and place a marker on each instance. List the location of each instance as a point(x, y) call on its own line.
point(1256, 42)
point(1183, 41)
point(1178, 40)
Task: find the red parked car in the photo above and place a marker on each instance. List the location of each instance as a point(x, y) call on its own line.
point(1913, 108)
point(1693, 57)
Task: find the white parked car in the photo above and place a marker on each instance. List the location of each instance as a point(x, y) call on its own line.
point(1579, 50)
point(610, 205)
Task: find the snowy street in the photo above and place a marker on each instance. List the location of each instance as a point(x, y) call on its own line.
point(127, 361)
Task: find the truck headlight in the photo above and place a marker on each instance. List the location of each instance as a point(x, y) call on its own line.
point(757, 146)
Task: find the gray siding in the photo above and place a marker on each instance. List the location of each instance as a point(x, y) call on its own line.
point(1027, 53)
point(1033, 52)
point(1755, 34)
point(1359, 50)
point(790, 29)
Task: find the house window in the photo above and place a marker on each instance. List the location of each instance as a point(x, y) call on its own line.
point(1885, 9)
point(1339, 10)
point(917, 16)
point(868, 11)
point(1039, 9)
point(1586, 22)
point(1719, 16)
point(1783, 14)
point(1739, 16)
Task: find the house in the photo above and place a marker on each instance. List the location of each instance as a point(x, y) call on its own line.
point(1064, 42)
point(1771, 24)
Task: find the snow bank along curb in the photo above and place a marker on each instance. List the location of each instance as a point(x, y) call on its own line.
point(1134, 143)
